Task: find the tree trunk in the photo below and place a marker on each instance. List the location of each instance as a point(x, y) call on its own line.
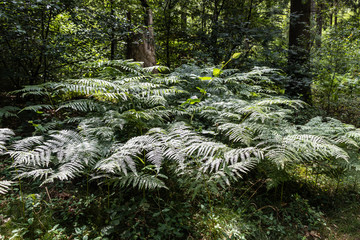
point(299, 50)
point(167, 21)
point(203, 17)
point(336, 6)
point(331, 14)
point(184, 20)
point(215, 30)
point(319, 23)
point(141, 46)
point(113, 44)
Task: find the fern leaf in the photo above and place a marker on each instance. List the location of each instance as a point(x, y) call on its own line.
point(36, 108)
point(8, 111)
point(142, 181)
point(82, 105)
point(5, 135)
point(4, 186)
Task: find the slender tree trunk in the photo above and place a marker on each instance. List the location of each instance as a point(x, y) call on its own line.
point(319, 23)
point(214, 34)
point(141, 47)
point(113, 44)
point(183, 21)
point(130, 37)
point(167, 13)
point(331, 13)
point(299, 50)
point(203, 18)
point(215, 30)
point(249, 13)
point(336, 5)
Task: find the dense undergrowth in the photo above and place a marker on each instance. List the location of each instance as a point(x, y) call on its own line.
point(198, 153)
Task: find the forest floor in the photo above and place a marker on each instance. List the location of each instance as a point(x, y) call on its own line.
point(344, 222)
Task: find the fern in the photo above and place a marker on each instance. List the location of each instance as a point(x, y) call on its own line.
point(63, 156)
point(141, 181)
point(5, 135)
point(4, 186)
point(303, 148)
point(36, 108)
point(129, 125)
point(8, 111)
point(34, 90)
point(82, 105)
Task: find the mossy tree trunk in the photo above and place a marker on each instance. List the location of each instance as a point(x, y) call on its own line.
point(141, 46)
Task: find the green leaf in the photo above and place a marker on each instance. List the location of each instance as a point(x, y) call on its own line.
point(115, 222)
point(216, 72)
point(203, 91)
point(191, 101)
point(205, 78)
point(235, 55)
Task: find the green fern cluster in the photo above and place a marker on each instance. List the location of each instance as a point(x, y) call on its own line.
point(209, 129)
point(5, 135)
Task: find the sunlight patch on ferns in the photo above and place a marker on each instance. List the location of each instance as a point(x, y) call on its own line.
point(62, 156)
point(4, 186)
point(303, 148)
point(235, 124)
point(5, 135)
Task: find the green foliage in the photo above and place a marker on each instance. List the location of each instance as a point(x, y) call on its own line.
point(336, 72)
point(127, 131)
point(247, 122)
point(5, 135)
point(106, 149)
point(210, 31)
point(8, 111)
point(294, 221)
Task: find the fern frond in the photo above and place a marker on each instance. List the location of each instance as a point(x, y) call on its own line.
point(123, 157)
point(66, 171)
point(264, 114)
point(35, 90)
point(34, 174)
point(8, 111)
point(71, 86)
point(82, 105)
point(243, 154)
point(125, 65)
point(5, 135)
point(237, 132)
point(156, 67)
point(355, 135)
point(4, 186)
point(204, 148)
point(148, 114)
point(306, 148)
point(36, 108)
point(62, 156)
point(168, 80)
point(141, 181)
point(296, 104)
point(155, 100)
